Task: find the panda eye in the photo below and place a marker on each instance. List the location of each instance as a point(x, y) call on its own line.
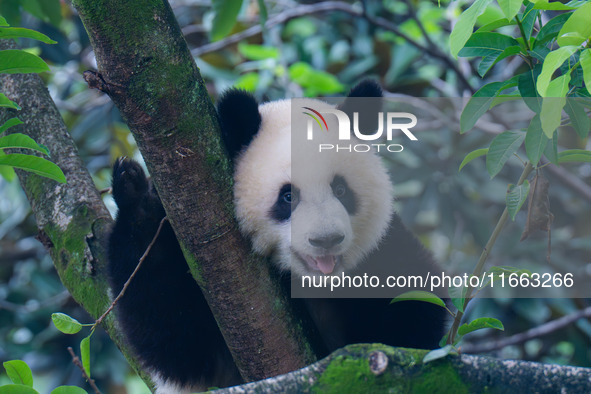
point(287, 197)
point(340, 190)
point(285, 204)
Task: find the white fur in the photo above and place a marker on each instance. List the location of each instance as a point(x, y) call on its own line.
point(267, 165)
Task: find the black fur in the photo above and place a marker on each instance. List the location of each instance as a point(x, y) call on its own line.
point(366, 88)
point(163, 313)
point(346, 196)
point(284, 205)
point(239, 118)
point(365, 99)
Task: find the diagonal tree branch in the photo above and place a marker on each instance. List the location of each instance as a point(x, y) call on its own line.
point(145, 67)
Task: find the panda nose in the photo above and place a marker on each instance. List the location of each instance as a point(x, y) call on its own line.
point(328, 241)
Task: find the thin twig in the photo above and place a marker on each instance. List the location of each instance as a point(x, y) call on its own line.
point(535, 332)
point(126, 285)
point(78, 363)
point(480, 264)
point(326, 6)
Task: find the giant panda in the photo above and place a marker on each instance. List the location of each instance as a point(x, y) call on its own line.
point(342, 211)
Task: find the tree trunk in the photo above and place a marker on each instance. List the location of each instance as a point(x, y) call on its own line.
point(144, 65)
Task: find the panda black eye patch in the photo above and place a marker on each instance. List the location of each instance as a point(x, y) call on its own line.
point(345, 195)
point(286, 202)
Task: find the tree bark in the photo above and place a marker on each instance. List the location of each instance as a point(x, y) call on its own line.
point(73, 222)
point(369, 368)
point(144, 65)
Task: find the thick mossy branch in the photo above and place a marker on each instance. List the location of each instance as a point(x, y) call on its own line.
point(144, 65)
point(369, 368)
point(72, 219)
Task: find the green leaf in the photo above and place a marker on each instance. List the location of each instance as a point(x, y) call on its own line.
point(551, 114)
point(495, 25)
point(418, 295)
point(574, 155)
point(3, 22)
point(314, 81)
point(540, 54)
point(528, 19)
point(492, 59)
point(484, 44)
point(510, 7)
point(226, 12)
point(465, 25)
point(551, 6)
point(535, 140)
point(9, 123)
point(551, 29)
point(473, 155)
point(551, 64)
point(37, 165)
point(438, 353)
point(458, 296)
point(17, 389)
point(558, 87)
point(7, 172)
point(478, 104)
point(479, 324)
point(577, 28)
point(19, 140)
point(15, 61)
point(8, 103)
point(248, 81)
point(85, 354)
point(16, 32)
point(551, 151)
point(258, 52)
point(68, 390)
point(527, 88)
point(515, 197)
point(65, 323)
point(578, 117)
point(585, 60)
point(501, 148)
point(19, 372)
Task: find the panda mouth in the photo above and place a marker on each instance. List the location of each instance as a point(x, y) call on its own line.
point(324, 264)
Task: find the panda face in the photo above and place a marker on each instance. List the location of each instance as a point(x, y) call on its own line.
point(321, 225)
point(318, 214)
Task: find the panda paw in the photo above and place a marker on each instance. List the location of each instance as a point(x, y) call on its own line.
point(129, 182)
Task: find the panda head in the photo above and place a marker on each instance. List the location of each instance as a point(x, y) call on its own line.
point(321, 216)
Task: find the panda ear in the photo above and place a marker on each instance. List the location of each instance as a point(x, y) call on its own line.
point(368, 109)
point(240, 120)
point(366, 88)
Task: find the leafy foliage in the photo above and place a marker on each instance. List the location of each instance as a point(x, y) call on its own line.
point(14, 61)
point(22, 381)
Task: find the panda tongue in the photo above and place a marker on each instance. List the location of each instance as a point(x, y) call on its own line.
point(325, 263)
